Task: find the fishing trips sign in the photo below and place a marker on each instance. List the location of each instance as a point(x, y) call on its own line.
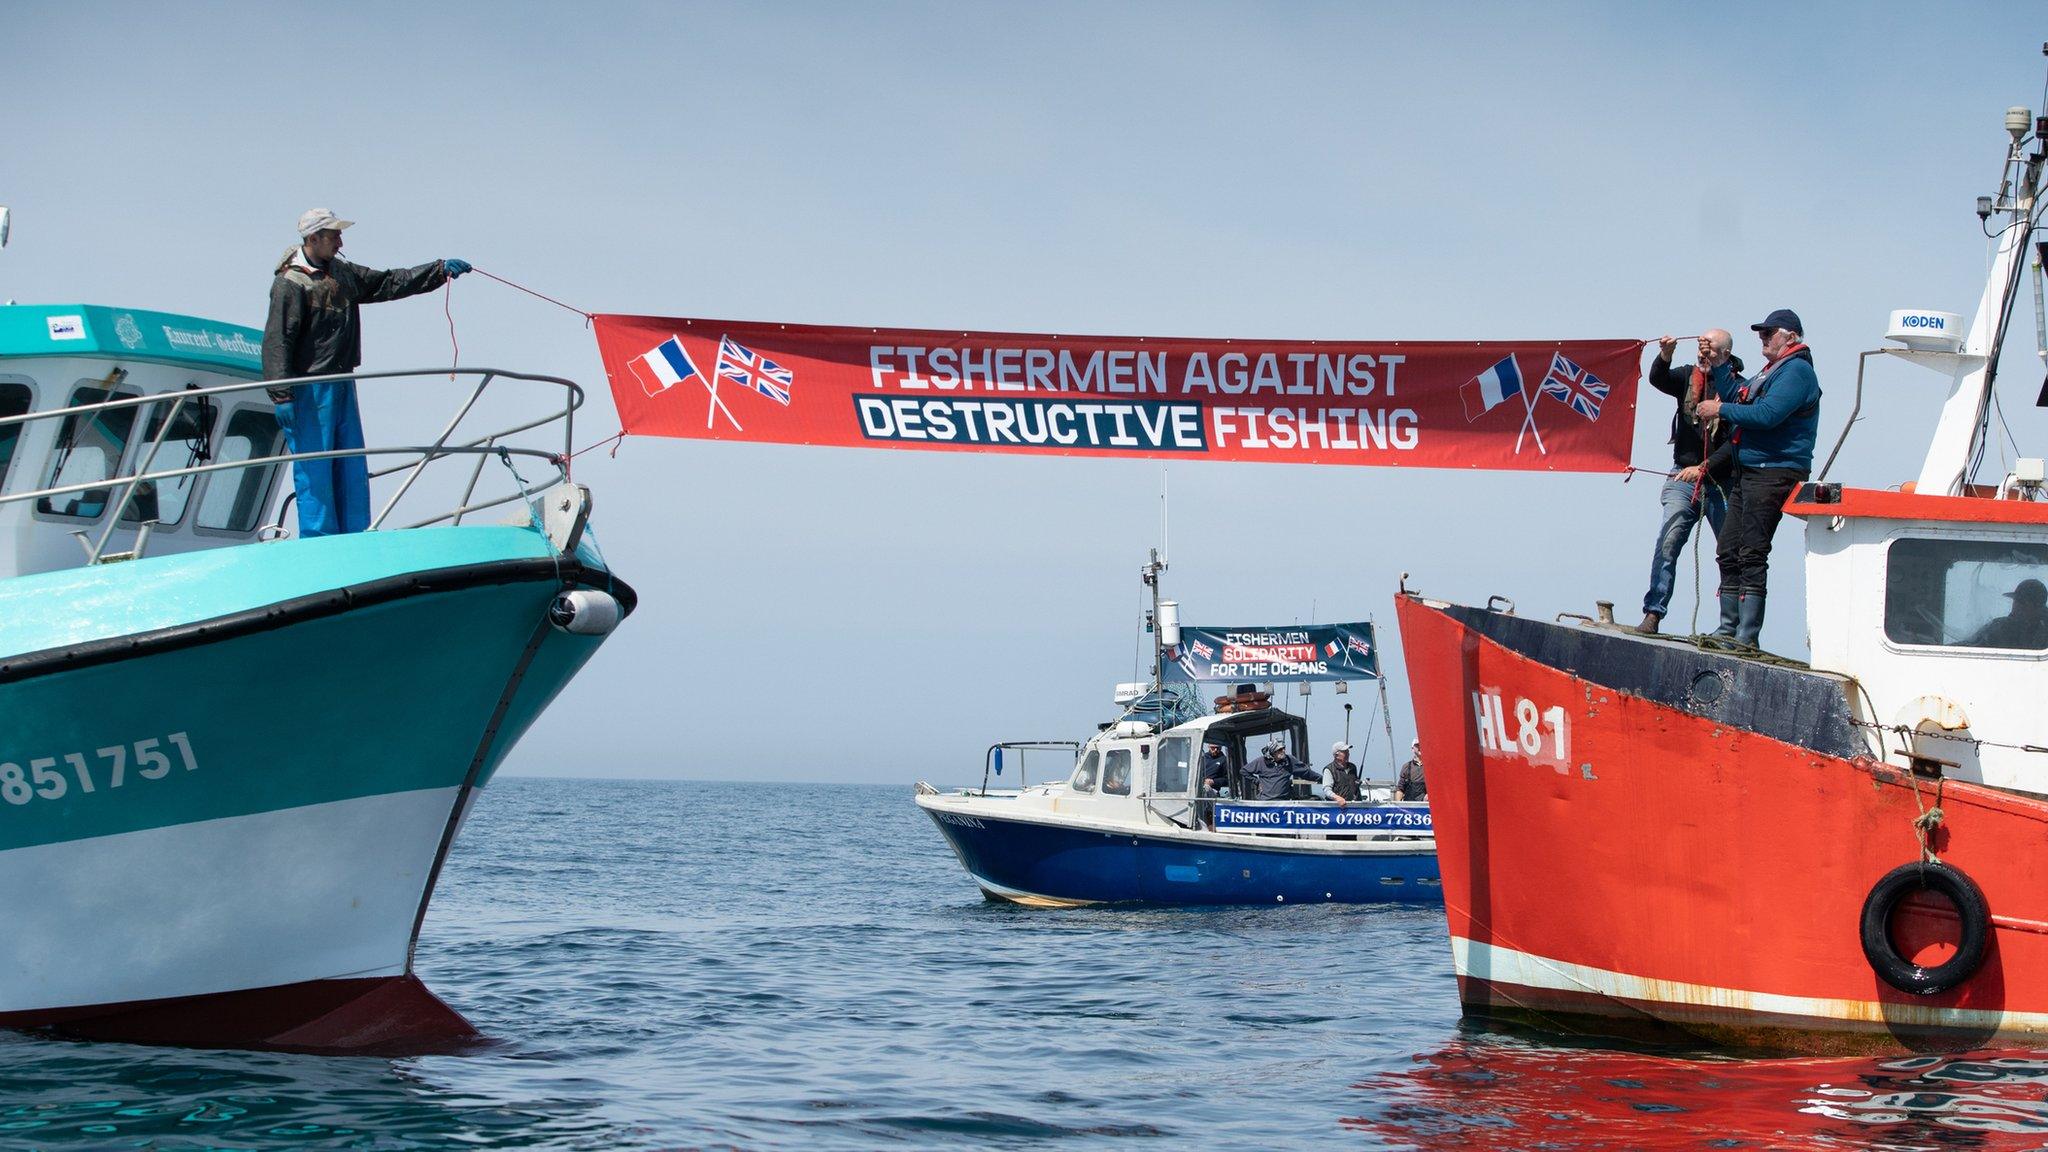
point(1552, 405)
point(1294, 652)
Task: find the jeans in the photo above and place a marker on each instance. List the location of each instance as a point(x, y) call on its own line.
point(1756, 502)
point(1682, 511)
point(333, 494)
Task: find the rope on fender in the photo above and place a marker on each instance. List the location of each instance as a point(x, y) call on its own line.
point(1929, 819)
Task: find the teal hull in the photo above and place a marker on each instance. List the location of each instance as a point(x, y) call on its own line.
point(308, 719)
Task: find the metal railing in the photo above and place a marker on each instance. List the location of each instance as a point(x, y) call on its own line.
point(989, 758)
point(418, 457)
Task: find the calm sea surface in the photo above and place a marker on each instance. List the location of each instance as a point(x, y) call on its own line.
point(675, 965)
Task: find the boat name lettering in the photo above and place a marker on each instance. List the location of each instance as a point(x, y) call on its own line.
point(209, 341)
point(1539, 735)
point(957, 819)
point(45, 777)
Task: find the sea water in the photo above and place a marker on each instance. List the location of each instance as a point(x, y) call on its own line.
point(692, 965)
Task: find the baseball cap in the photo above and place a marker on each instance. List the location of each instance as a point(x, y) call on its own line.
point(2029, 591)
point(321, 219)
point(1339, 746)
point(1782, 318)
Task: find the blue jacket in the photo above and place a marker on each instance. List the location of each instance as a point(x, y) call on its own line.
point(1775, 427)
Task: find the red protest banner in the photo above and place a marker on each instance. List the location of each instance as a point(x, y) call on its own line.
point(1530, 405)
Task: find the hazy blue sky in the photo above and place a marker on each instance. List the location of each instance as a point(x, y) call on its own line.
point(1356, 171)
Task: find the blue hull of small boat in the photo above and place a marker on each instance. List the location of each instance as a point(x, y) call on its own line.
point(1041, 863)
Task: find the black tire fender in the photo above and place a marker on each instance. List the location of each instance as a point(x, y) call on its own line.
point(1883, 955)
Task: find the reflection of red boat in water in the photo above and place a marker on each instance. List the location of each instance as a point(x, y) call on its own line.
point(1500, 1093)
point(1644, 833)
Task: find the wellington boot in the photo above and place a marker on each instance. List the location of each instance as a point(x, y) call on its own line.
point(1731, 613)
point(1650, 621)
point(1749, 621)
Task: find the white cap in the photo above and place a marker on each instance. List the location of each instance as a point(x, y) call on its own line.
point(1416, 744)
point(319, 220)
point(1339, 746)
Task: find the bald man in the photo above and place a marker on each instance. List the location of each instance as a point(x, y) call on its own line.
point(1701, 457)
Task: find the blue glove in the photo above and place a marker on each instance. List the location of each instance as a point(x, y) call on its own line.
point(455, 268)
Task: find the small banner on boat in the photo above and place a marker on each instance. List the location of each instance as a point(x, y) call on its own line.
point(1322, 818)
point(1566, 406)
point(1293, 652)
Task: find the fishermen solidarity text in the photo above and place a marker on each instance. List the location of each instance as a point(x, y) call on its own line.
point(932, 394)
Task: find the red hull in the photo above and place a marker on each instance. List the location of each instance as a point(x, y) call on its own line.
point(389, 1015)
point(1662, 864)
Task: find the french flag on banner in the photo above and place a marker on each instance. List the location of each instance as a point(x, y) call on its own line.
point(666, 366)
point(1491, 388)
point(1330, 650)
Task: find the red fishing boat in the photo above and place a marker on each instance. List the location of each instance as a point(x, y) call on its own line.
point(1642, 833)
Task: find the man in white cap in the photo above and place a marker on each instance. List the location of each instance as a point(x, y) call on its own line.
point(1340, 775)
point(1411, 785)
point(314, 330)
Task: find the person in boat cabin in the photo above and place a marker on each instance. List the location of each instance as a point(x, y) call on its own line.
point(314, 329)
point(1701, 457)
point(2025, 626)
point(1775, 415)
point(1340, 775)
point(1215, 769)
point(1272, 774)
point(1410, 785)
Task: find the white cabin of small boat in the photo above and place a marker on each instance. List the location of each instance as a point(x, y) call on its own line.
point(57, 357)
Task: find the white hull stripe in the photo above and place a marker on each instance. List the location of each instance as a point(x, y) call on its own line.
point(1508, 967)
point(322, 892)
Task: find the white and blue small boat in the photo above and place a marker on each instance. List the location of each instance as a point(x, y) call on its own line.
point(234, 761)
point(1131, 823)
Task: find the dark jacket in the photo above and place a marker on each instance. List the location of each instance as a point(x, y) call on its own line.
point(1779, 416)
point(1687, 446)
point(1412, 785)
point(1215, 772)
point(1266, 779)
point(314, 329)
point(1343, 779)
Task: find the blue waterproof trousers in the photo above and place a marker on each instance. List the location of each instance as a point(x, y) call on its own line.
point(333, 494)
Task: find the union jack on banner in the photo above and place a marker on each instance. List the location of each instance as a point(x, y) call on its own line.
point(1201, 649)
point(1575, 386)
point(748, 369)
point(1358, 646)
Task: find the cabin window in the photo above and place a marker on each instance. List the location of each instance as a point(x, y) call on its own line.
point(89, 447)
point(1083, 779)
point(185, 445)
point(16, 399)
point(235, 497)
point(1174, 770)
point(1116, 773)
point(1967, 593)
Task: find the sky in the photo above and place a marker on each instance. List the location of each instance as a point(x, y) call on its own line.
point(1292, 171)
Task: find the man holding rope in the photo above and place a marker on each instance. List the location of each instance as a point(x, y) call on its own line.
point(315, 329)
point(1776, 415)
point(1701, 457)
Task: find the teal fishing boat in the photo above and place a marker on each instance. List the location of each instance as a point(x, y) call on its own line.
point(235, 760)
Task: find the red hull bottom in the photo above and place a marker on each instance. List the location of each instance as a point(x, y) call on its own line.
point(385, 1015)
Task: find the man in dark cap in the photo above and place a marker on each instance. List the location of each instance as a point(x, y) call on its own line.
point(314, 330)
point(1775, 415)
point(2025, 626)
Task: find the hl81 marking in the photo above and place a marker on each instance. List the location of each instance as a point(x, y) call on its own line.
point(44, 779)
point(1540, 735)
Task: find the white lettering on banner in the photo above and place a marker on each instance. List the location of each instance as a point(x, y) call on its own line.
point(1538, 735)
point(1379, 429)
point(43, 779)
point(1138, 425)
point(1127, 371)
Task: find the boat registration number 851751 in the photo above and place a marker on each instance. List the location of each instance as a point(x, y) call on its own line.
point(51, 777)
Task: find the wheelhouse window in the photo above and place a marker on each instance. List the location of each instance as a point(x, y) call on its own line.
point(1116, 772)
point(89, 447)
point(16, 398)
point(186, 443)
point(1174, 770)
point(234, 497)
point(1083, 779)
point(1967, 593)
